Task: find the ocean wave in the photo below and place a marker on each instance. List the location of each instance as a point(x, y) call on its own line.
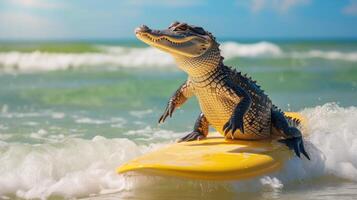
point(44, 61)
point(119, 56)
point(260, 49)
point(328, 55)
point(333, 130)
point(331, 140)
point(77, 167)
point(74, 168)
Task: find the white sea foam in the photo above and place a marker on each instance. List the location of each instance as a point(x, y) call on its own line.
point(77, 167)
point(149, 134)
point(2, 127)
point(58, 115)
point(140, 113)
point(87, 120)
point(331, 142)
point(333, 130)
point(329, 55)
point(260, 49)
point(73, 168)
point(119, 56)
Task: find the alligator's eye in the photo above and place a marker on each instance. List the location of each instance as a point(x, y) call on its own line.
point(181, 27)
point(198, 30)
point(174, 24)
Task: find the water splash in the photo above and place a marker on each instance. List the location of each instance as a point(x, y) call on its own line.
point(77, 167)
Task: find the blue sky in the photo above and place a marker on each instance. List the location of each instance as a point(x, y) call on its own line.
point(115, 19)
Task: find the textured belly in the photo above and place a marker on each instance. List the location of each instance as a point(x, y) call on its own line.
point(219, 109)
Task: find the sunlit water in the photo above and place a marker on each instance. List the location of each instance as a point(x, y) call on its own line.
point(70, 114)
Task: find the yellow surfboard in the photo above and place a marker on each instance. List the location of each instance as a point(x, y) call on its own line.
point(213, 158)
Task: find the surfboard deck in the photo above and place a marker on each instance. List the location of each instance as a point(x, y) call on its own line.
point(214, 158)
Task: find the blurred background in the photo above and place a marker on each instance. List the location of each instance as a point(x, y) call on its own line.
point(74, 80)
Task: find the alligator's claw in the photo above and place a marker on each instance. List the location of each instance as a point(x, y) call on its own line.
point(233, 124)
point(168, 112)
point(296, 144)
point(195, 135)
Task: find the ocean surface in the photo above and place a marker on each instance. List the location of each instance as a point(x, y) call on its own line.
point(71, 112)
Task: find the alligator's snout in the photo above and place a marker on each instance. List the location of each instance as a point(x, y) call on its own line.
point(142, 28)
point(179, 39)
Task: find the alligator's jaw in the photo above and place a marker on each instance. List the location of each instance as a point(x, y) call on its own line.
point(173, 44)
point(163, 42)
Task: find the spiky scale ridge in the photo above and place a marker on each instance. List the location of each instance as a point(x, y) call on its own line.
point(293, 122)
point(248, 81)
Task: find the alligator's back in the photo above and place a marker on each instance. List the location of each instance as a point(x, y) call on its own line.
point(218, 103)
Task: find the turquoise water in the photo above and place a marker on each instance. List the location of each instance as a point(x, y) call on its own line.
point(70, 113)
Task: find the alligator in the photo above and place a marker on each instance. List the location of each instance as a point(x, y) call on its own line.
point(232, 103)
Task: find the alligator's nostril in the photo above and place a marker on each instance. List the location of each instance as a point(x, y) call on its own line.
point(174, 23)
point(142, 28)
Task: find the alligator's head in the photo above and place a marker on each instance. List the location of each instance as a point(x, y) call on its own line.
point(186, 43)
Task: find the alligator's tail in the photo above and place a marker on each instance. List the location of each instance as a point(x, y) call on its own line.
point(291, 121)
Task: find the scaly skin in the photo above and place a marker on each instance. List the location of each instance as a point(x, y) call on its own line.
point(230, 102)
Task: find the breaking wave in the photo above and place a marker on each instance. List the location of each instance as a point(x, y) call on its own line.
point(260, 49)
point(78, 167)
point(111, 56)
point(119, 56)
point(333, 130)
point(328, 55)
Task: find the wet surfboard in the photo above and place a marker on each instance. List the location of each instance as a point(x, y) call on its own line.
point(214, 158)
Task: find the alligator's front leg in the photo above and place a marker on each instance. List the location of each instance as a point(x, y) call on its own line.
point(236, 93)
point(292, 134)
point(200, 130)
point(177, 99)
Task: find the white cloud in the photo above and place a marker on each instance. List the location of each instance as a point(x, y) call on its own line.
point(281, 6)
point(257, 5)
point(285, 5)
point(167, 3)
point(21, 20)
point(43, 4)
point(28, 26)
point(351, 8)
